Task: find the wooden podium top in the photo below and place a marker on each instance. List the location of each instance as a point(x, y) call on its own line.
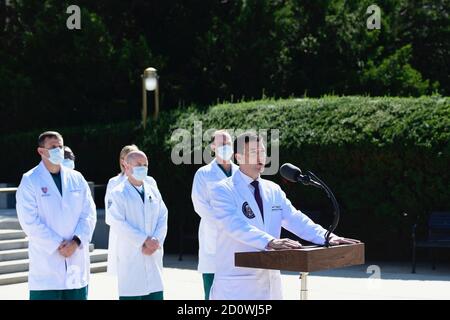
point(306, 259)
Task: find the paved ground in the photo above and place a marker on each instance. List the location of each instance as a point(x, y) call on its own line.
point(182, 281)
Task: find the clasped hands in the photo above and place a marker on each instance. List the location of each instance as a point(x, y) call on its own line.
point(150, 246)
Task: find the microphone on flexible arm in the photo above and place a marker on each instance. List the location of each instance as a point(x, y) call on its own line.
point(293, 174)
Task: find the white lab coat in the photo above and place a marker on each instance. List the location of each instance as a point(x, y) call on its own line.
point(204, 179)
point(112, 238)
point(133, 221)
point(48, 218)
point(238, 233)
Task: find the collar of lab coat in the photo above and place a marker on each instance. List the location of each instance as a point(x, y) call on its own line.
point(241, 182)
point(50, 183)
point(219, 173)
point(148, 190)
point(248, 179)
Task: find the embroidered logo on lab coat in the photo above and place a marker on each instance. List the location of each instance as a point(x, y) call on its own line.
point(44, 192)
point(109, 203)
point(247, 211)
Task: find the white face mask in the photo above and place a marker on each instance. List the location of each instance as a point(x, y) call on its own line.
point(56, 155)
point(68, 164)
point(225, 152)
point(140, 172)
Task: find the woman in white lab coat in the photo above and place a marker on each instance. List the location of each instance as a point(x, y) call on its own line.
point(56, 211)
point(138, 216)
point(112, 183)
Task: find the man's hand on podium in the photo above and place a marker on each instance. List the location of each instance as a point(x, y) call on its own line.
point(279, 244)
point(335, 240)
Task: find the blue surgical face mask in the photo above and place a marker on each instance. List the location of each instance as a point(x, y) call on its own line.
point(139, 173)
point(69, 164)
point(225, 152)
point(56, 155)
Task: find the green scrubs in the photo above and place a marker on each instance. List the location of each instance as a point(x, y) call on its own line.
point(69, 294)
point(208, 279)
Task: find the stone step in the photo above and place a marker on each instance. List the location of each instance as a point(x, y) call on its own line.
point(12, 278)
point(8, 234)
point(13, 244)
point(20, 277)
point(98, 267)
point(14, 254)
point(21, 265)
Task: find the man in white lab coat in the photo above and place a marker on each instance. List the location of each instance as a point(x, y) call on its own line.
point(56, 211)
point(138, 216)
point(205, 177)
point(250, 212)
point(112, 183)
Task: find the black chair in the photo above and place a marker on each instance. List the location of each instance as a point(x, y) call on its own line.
point(438, 236)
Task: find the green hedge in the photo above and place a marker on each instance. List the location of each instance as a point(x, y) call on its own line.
point(386, 159)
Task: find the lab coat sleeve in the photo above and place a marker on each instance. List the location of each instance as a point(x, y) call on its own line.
point(108, 191)
point(117, 221)
point(88, 218)
point(27, 212)
point(161, 226)
point(199, 197)
point(298, 223)
point(225, 214)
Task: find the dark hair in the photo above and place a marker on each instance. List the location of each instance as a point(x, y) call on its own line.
point(68, 153)
point(243, 139)
point(48, 134)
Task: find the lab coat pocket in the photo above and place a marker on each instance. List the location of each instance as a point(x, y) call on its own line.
point(77, 264)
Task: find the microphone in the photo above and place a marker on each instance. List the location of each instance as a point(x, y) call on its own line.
point(294, 174)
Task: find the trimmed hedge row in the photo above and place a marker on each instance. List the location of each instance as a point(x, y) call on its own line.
point(386, 159)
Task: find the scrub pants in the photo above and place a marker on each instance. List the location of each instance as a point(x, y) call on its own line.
point(208, 279)
point(152, 296)
point(69, 294)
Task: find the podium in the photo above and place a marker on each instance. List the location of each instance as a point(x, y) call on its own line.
point(304, 260)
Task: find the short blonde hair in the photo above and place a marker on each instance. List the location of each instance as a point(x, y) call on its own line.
point(124, 152)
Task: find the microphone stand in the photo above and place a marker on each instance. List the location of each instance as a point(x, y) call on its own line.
point(311, 179)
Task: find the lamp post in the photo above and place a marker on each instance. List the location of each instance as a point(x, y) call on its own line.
point(149, 83)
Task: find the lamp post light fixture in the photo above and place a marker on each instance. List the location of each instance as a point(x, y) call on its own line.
point(149, 83)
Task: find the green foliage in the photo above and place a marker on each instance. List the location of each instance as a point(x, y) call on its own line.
point(396, 76)
point(209, 51)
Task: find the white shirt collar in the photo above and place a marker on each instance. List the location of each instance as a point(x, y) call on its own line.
point(246, 178)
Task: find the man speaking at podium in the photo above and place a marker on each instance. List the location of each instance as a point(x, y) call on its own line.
point(250, 212)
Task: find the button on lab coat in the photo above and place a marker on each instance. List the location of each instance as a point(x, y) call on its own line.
point(204, 179)
point(133, 221)
point(242, 229)
point(48, 218)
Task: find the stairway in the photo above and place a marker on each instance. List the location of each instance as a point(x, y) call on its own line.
point(14, 257)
